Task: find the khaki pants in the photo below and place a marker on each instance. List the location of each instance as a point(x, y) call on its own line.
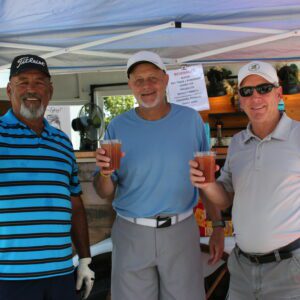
point(156, 263)
point(269, 281)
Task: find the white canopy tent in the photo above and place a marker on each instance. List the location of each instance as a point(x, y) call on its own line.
point(81, 36)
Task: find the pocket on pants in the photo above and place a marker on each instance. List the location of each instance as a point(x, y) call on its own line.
point(295, 268)
point(296, 260)
point(231, 259)
point(112, 233)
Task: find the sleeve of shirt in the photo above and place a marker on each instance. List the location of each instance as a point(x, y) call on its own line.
point(201, 134)
point(225, 175)
point(75, 187)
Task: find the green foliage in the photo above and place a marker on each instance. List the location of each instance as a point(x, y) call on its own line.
point(115, 105)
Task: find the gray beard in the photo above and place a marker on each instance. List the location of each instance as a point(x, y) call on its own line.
point(31, 114)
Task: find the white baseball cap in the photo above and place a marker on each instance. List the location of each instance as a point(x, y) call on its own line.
point(260, 68)
point(145, 56)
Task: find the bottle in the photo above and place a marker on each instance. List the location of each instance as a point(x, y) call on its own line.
point(219, 140)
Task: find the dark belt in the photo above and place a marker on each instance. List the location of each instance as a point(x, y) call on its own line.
point(276, 255)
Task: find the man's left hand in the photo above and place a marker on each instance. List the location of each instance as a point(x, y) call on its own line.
point(85, 276)
point(216, 245)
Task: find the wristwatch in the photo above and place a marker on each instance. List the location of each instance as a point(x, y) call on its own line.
point(219, 223)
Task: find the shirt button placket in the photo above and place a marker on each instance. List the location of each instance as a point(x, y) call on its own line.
point(258, 156)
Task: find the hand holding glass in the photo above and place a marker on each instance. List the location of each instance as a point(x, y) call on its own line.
point(207, 164)
point(113, 151)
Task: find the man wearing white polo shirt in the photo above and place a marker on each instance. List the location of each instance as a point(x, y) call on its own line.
point(261, 179)
point(156, 252)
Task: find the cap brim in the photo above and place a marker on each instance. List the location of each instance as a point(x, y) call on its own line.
point(29, 69)
point(130, 69)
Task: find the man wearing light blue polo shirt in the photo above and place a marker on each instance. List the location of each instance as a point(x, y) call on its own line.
point(156, 252)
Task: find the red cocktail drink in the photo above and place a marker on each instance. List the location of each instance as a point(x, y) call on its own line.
point(113, 151)
point(207, 164)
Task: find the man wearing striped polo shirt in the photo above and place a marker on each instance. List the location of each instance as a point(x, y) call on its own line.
point(41, 211)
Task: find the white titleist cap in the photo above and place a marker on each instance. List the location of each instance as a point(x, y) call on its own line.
point(145, 56)
point(259, 68)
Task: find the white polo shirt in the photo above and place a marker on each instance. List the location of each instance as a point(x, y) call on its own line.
point(265, 178)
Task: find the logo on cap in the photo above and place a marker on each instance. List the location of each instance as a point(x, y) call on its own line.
point(29, 60)
point(254, 67)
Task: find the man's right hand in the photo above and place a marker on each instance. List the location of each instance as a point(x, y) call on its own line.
point(196, 176)
point(213, 191)
point(85, 277)
point(102, 161)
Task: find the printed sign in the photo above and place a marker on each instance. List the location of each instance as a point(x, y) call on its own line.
point(59, 117)
point(187, 87)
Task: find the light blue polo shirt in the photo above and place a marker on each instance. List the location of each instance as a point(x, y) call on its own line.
point(154, 174)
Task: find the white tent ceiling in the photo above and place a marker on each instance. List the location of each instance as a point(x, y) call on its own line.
point(80, 35)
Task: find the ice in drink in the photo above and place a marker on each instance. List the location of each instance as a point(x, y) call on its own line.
point(113, 151)
point(207, 164)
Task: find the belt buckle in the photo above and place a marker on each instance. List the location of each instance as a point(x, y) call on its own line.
point(253, 258)
point(167, 221)
point(256, 260)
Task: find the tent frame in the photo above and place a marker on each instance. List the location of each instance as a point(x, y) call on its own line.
point(273, 35)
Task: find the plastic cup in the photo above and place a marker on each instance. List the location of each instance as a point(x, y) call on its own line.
point(113, 151)
point(207, 164)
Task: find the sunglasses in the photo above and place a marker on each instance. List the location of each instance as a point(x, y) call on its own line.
point(262, 89)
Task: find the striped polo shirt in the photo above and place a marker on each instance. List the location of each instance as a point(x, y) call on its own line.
point(38, 175)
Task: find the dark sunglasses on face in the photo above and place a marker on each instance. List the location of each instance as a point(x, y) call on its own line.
point(265, 88)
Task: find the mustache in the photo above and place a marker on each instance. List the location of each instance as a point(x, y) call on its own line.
point(31, 95)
